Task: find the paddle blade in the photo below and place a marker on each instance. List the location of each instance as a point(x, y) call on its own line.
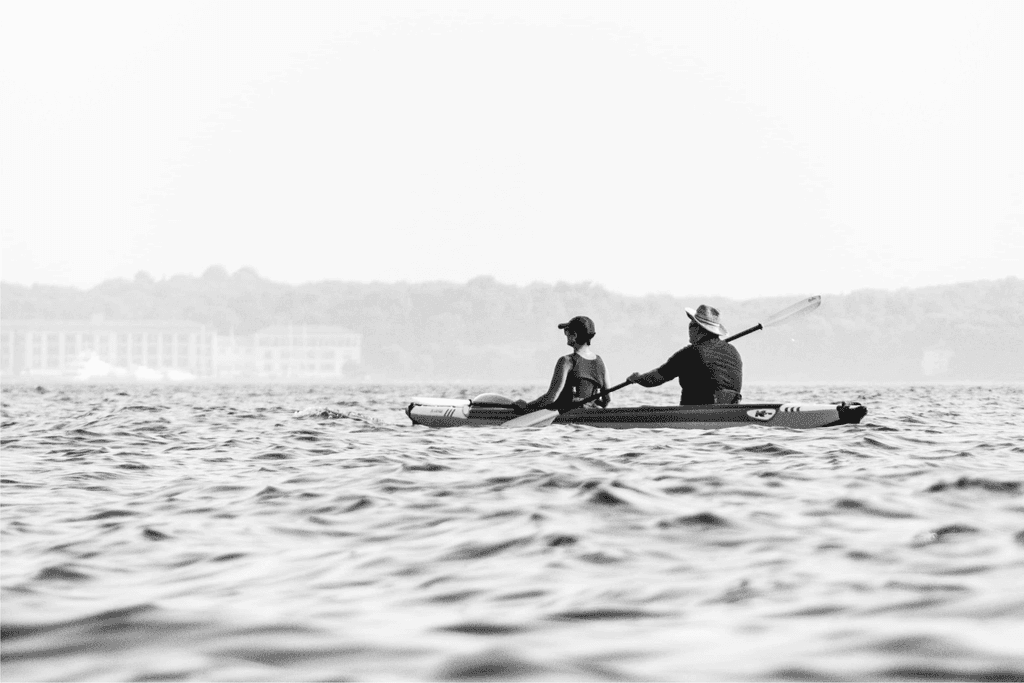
point(538, 418)
point(799, 308)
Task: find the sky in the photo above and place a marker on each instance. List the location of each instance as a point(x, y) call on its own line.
point(741, 149)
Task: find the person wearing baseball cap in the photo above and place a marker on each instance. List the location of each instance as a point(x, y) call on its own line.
point(709, 370)
point(577, 376)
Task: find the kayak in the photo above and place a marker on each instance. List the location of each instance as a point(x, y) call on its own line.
point(491, 410)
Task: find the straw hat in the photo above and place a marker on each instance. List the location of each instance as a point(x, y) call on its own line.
point(706, 317)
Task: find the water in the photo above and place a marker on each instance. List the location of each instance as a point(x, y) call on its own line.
point(210, 533)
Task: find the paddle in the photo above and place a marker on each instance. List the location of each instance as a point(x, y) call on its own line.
point(542, 417)
point(797, 309)
point(545, 416)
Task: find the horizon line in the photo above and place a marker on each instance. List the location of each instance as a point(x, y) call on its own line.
point(535, 283)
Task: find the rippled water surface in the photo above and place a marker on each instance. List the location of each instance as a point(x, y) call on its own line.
point(268, 533)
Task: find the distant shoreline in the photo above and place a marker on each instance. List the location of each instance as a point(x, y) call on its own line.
point(47, 382)
point(506, 334)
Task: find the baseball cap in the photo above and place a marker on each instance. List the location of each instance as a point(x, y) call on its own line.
point(580, 323)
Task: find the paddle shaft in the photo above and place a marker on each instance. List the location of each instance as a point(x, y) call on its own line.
point(745, 332)
point(596, 396)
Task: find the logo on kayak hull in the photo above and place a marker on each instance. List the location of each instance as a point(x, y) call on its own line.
point(763, 414)
point(443, 411)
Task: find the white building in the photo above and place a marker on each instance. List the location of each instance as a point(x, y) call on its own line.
point(304, 351)
point(49, 348)
point(172, 350)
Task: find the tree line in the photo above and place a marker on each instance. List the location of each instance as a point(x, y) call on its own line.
point(484, 330)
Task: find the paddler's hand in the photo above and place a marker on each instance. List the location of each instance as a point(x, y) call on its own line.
point(634, 378)
point(521, 406)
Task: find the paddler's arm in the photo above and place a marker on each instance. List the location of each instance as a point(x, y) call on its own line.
point(558, 378)
point(647, 379)
point(665, 372)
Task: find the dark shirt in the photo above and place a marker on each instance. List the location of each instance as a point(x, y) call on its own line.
point(586, 377)
point(704, 368)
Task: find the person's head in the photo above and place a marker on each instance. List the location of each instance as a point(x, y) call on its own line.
point(579, 330)
point(704, 322)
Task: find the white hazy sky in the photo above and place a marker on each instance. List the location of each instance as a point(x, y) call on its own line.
point(733, 148)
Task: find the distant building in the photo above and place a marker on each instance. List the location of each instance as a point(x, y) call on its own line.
point(49, 348)
point(236, 356)
point(157, 349)
point(304, 351)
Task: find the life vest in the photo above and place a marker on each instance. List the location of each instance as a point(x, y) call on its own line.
point(586, 378)
point(718, 380)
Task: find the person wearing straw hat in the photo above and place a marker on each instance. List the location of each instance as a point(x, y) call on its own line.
point(709, 370)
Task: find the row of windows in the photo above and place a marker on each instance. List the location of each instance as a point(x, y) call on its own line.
point(329, 354)
point(70, 353)
point(306, 340)
point(96, 335)
point(137, 342)
point(267, 369)
point(124, 354)
point(89, 340)
point(54, 364)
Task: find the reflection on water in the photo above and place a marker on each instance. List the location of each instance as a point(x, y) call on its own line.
point(243, 533)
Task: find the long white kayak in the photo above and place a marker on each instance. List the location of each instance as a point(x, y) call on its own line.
point(491, 410)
